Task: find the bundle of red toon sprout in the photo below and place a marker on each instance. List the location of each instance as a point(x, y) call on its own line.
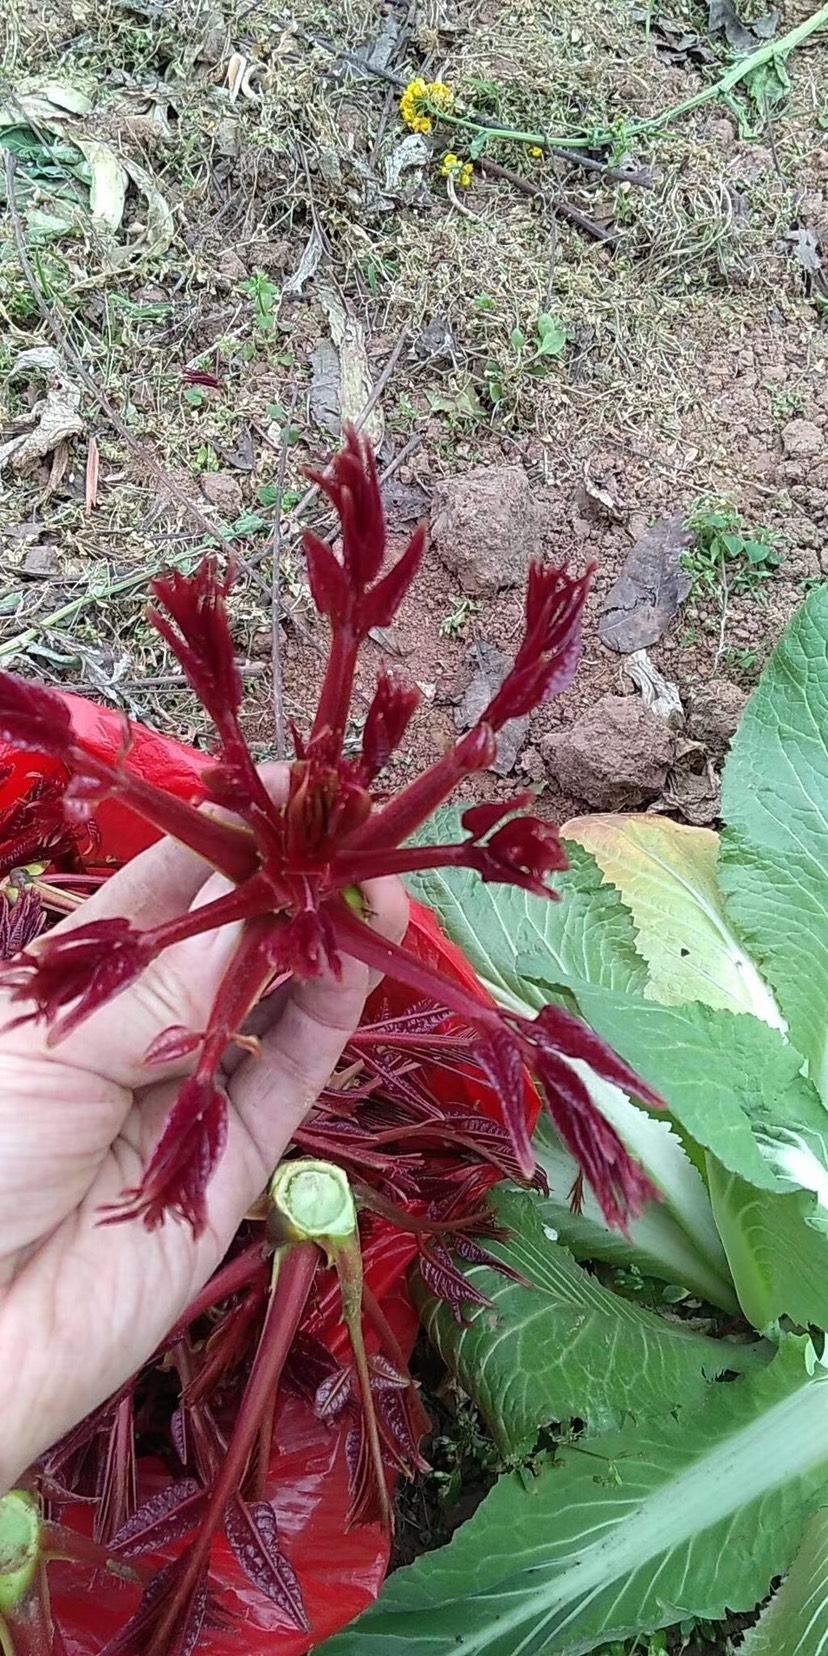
point(384, 1146)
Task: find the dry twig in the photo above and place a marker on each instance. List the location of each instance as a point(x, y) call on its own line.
point(562, 209)
point(70, 354)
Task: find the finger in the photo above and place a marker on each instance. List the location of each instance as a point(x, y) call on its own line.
point(154, 887)
point(305, 1041)
point(272, 1094)
point(180, 985)
point(161, 882)
point(387, 909)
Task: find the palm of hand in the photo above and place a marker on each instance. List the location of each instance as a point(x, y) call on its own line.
point(83, 1305)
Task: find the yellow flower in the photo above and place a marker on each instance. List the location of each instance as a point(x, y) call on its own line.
point(440, 95)
point(536, 152)
point(420, 96)
point(460, 171)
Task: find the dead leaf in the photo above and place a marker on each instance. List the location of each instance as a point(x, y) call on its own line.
point(355, 382)
point(62, 109)
point(651, 587)
point(240, 75)
point(807, 252)
point(41, 563)
point(601, 496)
point(57, 469)
point(436, 340)
point(673, 41)
point(307, 266)
point(324, 397)
point(386, 639)
point(57, 417)
point(53, 418)
point(692, 788)
point(412, 151)
point(387, 44)
point(722, 15)
point(243, 456)
point(805, 245)
point(658, 693)
point(491, 666)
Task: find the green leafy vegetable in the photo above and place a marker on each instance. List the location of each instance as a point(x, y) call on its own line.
point(796, 1620)
point(586, 936)
point(674, 1239)
point(566, 1346)
point(630, 1531)
point(774, 863)
point(666, 875)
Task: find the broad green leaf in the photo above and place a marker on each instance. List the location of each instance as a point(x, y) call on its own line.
point(674, 1239)
point(795, 1622)
point(725, 1078)
point(773, 867)
point(566, 1347)
point(777, 1247)
point(629, 1532)
point(587, 934)
point(666, 875)
point(735, 1087)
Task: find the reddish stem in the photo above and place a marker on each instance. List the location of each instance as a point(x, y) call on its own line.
point(238, 1274)
point(349, 869)
point(224, 845)
point(337, 689)
point(241, 904)
point(360, 940)
point(414, 804)
point(287, 1303)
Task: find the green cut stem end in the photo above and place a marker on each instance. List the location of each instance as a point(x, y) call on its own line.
point(20, 1548)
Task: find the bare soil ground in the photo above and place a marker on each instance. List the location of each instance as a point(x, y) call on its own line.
point(271, 204)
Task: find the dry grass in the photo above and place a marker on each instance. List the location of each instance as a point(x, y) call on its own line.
point(302, 161)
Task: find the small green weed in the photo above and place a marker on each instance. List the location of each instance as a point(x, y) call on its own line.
point(727, 559)
point(745, 663)
point(691, 1634)
point(726, 551)
point(454, 624)
point(267, 494)
point(785, 401)
point(265, 296)
point(531, 355)
point(206, 459)
point(466, 1456)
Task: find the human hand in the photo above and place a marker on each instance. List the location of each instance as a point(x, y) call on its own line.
point(82, 1306)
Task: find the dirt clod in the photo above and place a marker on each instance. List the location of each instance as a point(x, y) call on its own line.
point(714, 714)
point(801, 438)
point(229, 267)
point(615, 756)
point(486, 528)
point(223, 491)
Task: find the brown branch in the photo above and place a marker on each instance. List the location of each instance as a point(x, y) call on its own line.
point(642, 180)
point(562, 209)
